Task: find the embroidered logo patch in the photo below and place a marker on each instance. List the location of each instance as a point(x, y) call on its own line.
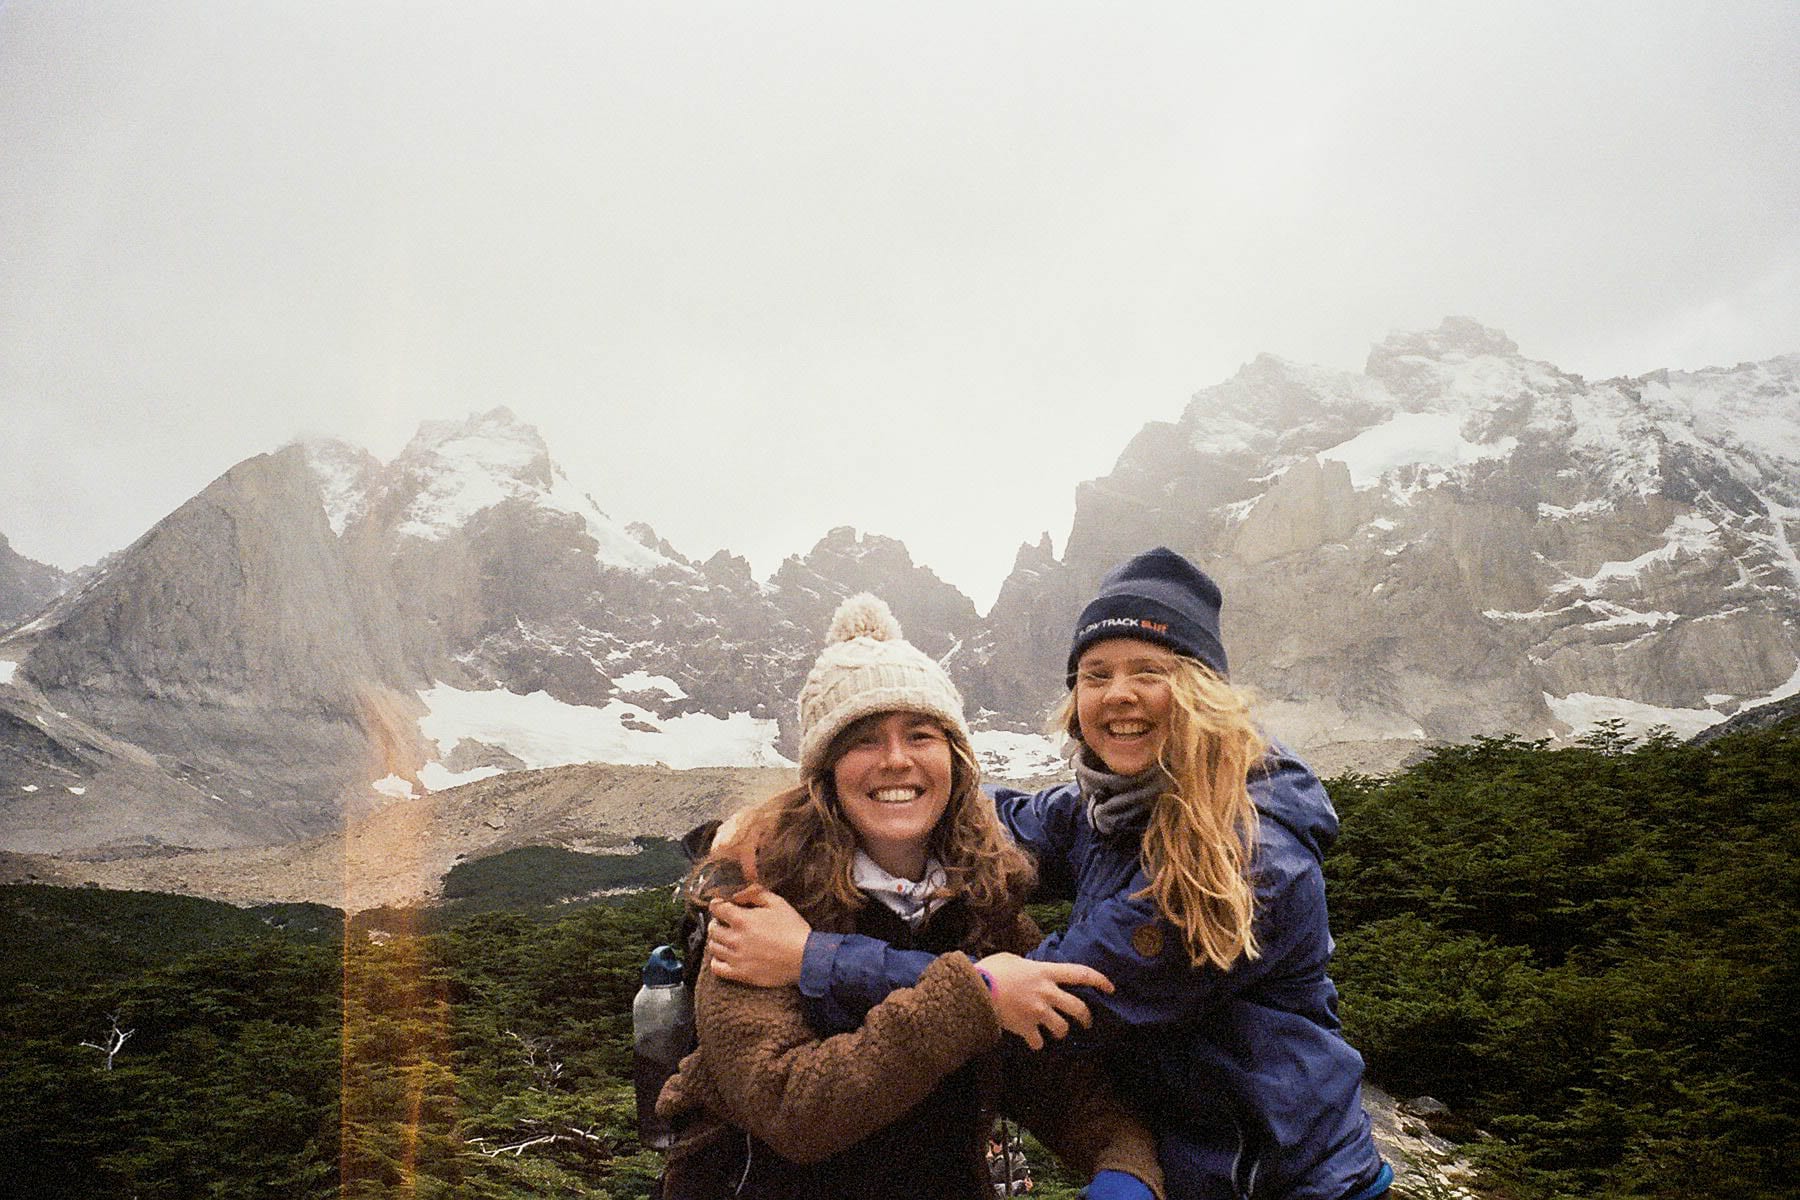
point(1122, 623)
point(1147, 940)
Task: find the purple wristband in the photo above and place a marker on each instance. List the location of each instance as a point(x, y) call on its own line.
point(989, 980)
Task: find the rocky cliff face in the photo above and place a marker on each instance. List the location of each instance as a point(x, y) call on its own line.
point(1459, 541)
point(26, 585)
point(266, 660)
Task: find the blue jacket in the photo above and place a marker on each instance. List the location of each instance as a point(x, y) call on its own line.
point(1244, 1074)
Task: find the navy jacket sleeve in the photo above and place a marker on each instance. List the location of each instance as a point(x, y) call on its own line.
point(844, 975)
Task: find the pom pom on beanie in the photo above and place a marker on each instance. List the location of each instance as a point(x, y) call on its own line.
point(869, 667)
point(863, 615)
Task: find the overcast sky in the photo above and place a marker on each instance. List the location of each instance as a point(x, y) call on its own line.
point(758, 269)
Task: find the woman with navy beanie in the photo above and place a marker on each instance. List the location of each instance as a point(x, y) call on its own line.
point(1190, 845)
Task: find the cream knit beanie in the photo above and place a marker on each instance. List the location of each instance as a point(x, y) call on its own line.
point(868, 667)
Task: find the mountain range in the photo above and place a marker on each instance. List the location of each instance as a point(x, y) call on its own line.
point(1457, 541)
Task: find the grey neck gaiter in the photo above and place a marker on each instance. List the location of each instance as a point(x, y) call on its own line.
point(1118, 803)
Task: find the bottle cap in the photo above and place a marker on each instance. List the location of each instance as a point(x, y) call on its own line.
point(662, 968)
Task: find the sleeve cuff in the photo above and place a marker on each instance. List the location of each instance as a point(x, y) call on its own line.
point(823, 1010)
point(816, 962)
point(1117, 1185)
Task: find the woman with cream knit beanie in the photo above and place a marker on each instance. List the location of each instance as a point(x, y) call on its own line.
point(887, 835)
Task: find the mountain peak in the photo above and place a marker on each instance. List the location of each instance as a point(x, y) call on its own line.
point(1459, 365)
point(1454, 338)
point(495, 438)
point(346, 476)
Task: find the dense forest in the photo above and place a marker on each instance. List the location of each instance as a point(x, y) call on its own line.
point(1591, 954)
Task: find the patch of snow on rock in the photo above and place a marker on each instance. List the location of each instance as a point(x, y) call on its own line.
point(617, 548)
point(394, 786)
point(7, 669)
point(1689, 535)
point(1005, 755)
point(1777, 538)
point(438, 778)
point(1408, 438)
point(339, 470)
point(469, 468)
point(1581, 711)
point(1730, 407)
point(542, 731)
point(493, 458)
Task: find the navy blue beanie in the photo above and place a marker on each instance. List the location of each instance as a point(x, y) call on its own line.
point(1158, 597)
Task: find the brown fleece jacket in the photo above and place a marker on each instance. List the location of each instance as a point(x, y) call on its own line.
point(896, 1103)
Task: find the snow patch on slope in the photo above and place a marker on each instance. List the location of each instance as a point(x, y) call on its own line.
point(1005, 755)
point(1433, 439)
point(1731, 408)
point(643, 681)
point(342, 474)
point(1581, 711)
point(1688, 536)
point(1777, 539)
point(395, 788)
point(542, 731)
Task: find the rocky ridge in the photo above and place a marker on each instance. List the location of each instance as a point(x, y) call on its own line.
point(262, 665)
point(1456, 541)
point(1460, 541)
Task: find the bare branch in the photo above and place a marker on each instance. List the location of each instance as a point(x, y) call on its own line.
point(568, 1134)
point(115, 1041)
point(540, 1056)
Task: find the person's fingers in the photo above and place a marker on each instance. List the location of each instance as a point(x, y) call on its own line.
point(1074, 1008)
point(1079, 975)
point(1054, 1024)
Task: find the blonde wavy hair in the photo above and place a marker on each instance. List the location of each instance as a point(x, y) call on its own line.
point(799, 844)
point(1201, 837)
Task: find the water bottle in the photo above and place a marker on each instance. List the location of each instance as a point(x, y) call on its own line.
point(662, 1030)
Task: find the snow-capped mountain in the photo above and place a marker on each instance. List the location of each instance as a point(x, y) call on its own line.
point(1457, 541)
point(316, 631)
point(1461, 541)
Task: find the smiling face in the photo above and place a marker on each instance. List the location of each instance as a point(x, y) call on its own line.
point(893, 783)
point(1122, 702)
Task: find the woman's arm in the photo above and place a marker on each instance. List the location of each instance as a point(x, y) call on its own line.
point(1123, 936)
point(810, 1097)
point(757, 938)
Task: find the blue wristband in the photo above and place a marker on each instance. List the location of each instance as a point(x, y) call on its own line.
point(1118, 1185)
